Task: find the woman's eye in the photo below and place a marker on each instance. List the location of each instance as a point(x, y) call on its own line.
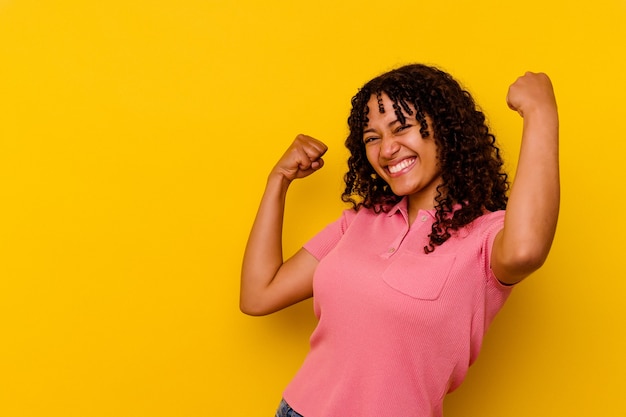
point(369, 139)
point(403, 127)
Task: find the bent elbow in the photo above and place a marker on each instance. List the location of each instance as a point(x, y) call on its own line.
point(251, 308)
point(514, 257)
point(521, 264)
point(535, 257)
point(530, 263)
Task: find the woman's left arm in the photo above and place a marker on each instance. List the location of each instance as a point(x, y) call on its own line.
point(522, 246)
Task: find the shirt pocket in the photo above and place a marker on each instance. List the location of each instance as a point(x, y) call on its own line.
point(419, 276)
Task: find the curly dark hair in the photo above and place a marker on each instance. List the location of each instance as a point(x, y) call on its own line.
point(473, 177)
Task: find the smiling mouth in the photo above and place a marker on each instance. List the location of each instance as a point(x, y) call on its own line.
point(405, 163)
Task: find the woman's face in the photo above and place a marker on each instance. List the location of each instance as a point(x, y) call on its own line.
point(399, 154)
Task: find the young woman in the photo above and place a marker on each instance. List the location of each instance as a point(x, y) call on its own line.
point(408, 279)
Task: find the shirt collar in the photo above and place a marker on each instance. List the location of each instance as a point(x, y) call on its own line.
point(402, 207)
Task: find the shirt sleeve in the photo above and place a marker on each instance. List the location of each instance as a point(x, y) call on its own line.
point(491, 226)
point(322, 243)
point(496, 292)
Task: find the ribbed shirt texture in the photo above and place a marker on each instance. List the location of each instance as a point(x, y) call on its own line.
point(398, 328)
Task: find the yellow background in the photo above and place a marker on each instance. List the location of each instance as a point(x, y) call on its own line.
point(135, 139)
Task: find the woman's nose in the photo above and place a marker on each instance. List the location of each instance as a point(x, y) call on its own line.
point(389, 146)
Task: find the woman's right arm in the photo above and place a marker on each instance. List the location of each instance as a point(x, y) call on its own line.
point(268, 283)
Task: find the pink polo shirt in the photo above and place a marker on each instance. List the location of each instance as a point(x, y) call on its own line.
point(398, 329)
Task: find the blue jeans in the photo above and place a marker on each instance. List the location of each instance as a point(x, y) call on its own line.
point(285, 411)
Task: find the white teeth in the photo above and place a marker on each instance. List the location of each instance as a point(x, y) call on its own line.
point(399, 167)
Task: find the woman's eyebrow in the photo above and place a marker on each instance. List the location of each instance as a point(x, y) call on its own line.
point(390, 124)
